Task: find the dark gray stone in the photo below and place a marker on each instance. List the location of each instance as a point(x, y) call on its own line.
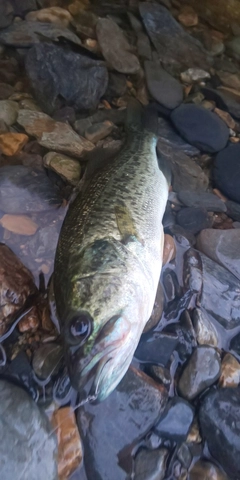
point(28, 448)
point(6, 13)
point(233, 210)
point(209, 201)
point(176, 420)
point(226, 171)
point(150, 464)
point(193, 219)
point(21, 8)
point(224, 100)
point(235, 345)
point(169, 136)
point(201, 371)
point(200, 127)
point(156, 348)
point(82, 87)
point(115, 116)
point(117, 85)
point(163, 87)
point(220, 427)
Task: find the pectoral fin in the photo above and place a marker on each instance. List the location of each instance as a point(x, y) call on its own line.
point(126, 225)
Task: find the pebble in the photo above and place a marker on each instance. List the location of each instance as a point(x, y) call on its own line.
point(200, 127)
point(220, 15)
point(163, 87)
point(184, 455)
point(12, 143)
point(225, 172)
point(193, 219)
point(176, 420)
point(70, 452)
point(57, 15)
point(167, 135)
point(150, 464)
point(209, 201)
point(233, 47)
point(206, 334)
point(19, 224)
point(117, 52)
point(222, 246)
point(201, 371)
point(169, 249)
point(82, 88)
point(188, 17)
point(132, 409)
point(230, 372)
point(26, 432)
point(8, 111)
point(226, 117)
point(53, 135)
point(156, 348)
point(206, 470)
point(98, 131)
point(224, 100)
point(220, 428)
point(68, 168)
point(194, 75)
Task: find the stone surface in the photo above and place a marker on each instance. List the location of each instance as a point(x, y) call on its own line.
point(226, 117)
point(206, 333)
point(209, 201)
point(117, 52)
point(176, 420)
point(218, 420)
point(225, 172)
point(131, 410)
point(117, 85)
point(8, 111)
point(157, 309)
point(222, 246)
point(5, 91)
point(156, 348)
point(57, 15)
point(218, 13)
point(201, 371)
point(163, 87)
point(188, 16)
point(150, 464)
point(53, 135)
point(230, 372)
point(233, 210)
point(12, 143)
point(224, 99)
point(194, 75)
point(6, 13)
point(82, 88)
point(68, 168)
point(206, 470)
point(193, 219)
point(20, 224)
point(200, 127)
point(27, 439)
point(98, 131)
point(169, 249)
point(168, 135)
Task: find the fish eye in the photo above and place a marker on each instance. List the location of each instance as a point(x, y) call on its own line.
point(80, 327)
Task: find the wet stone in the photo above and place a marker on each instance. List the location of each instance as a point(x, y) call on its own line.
point(225, 172)
point(218, 420)
point(150, 464)
point(156, 348)
point(200, 127)
point(44, 242)
point(131, 410)
point(19, 224)
point(6, 13)
point(98, 131)
point(201, 371)
point(82, 88)
point(8, 111)
point(206, 470)
point(193, 219)
point(169, 249)
point(157, 309)
point(206, 334)
point(12, 143)
point(26, 432)
point(230, 372)
point(47, 360)
point(194, 75)
point(21, 8)
point(184, 455)
point(168, 135)
point(176, 420)
point(209, 201)
point(185, 334)
point(68, 168)
point(163, 87)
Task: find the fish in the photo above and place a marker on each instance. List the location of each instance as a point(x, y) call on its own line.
point(108, 260)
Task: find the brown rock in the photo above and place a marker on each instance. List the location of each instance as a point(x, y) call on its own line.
point(169, 249)
point(231, 80)
point(230, 375)
point(218, 13)
point(20, 224)
point(29, 322)
point(12, 143)
point(53, 135)
point(98, 131)
point(188, 17)
point(5, 91)
point(226, 117)
point(69, 443)
point(56, 15)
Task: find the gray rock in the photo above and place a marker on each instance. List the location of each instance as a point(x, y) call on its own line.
point(117, 423)
point(201, 371)
point(222, 246)
point(226, 172)
point(233, 47)
point(143, 43)
point(82, 88)
point(169, 136)
point(176, 420)
point(206, 333)
point(115, 116)
point(163, 87)
point(6, 13)
point(224, 100)
point(156, 348)
point(28, 448)
point(68, 168)
point(209, 201)
point(193, 219)
point(8, 111)
point(150, 464)
point(98, 131)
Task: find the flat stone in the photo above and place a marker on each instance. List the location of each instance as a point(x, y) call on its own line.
point(220, 428)
point(200, 127)
point(98, 131)
point(8, 111)
point(225, 172)
point(12, 143)
point(118, 51)
point(206, 470)
point(156, 348)
point(57, 15)
point(53, 135)
point(150, 464)
point(157, 309)
point(163, 87)
point(201, 371)
point(68, 168)
point(26, 432)
point(209, 201)
point(19, 224)
point(168, 135)
point(131, 410)
point(222, 246)
point(206, 333)
point(176, 420)
point(193, 219)
point(230, 372)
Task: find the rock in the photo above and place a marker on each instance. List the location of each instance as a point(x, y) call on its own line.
point(230, 372)
point(188, 17)
point(163, 87)
point(68, 168)
point(12, 143)
point(27, 435)
point(156, 348)
point(25, 190)
point(218, 414)
point(131, 410)
point(82, 88)
point(173, 44)
point(115, 116)
point(201, 371)
point(8, 111)
point(206, 333)
point(184, 455)
point(194, 75)
point(218, 14)
point(44, 242)
point(5, 91)
point(226, 117)
point(19, 224)
point(233, 210)
point(98, 131)
point(25, 34)
point(143, 43)
point(233, 47)
point(224, 99)
point(176, 420)
point(6, 13)
point(187, 175)
point(53, 135)
point(200, 127)
point(21, 8)
point(157, 309)
point(47, 360)
point(231, 80)
point(222, 246)
point(65, 114)
point(70, 452)
point(84, 22)
point(57, 15)
point(117, 85)
point(118, 51)
point(30, 322)
point(193, 219)
point(209, 201)
point(225, 172)
point(206, 470)
point(169, 249)
point(167, 135)
point(150, 464)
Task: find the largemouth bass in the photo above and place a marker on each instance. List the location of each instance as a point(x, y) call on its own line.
point(108, 263)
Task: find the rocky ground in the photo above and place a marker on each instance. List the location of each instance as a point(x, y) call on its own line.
point(67, 71)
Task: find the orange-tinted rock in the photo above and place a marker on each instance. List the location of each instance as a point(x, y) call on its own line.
point(188, 17)
point(169, 249)
point(20, 224)
point(12, 143)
